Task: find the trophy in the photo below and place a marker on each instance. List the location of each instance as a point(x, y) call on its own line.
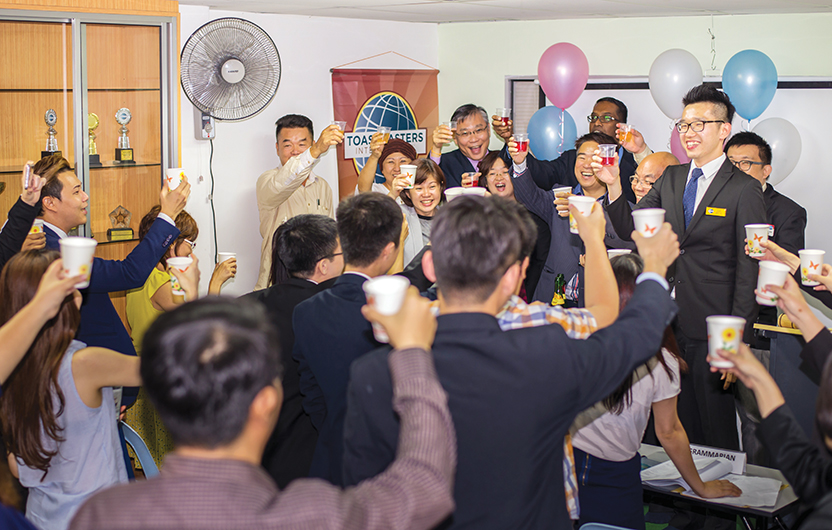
point(120, 219)
point(51, 118)
point(92, 124)
point(123, 153)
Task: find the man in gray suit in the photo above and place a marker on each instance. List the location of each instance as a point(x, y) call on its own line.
point(708, 202)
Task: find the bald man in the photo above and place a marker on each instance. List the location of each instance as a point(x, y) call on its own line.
point(649, 171)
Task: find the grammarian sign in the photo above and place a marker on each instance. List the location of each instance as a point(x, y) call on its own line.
point(357, 145)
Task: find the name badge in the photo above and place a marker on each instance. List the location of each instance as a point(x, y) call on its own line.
point(717, 212)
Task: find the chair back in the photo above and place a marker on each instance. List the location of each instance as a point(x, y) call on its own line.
point(140, 448)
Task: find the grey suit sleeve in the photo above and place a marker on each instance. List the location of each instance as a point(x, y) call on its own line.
point(751, 209)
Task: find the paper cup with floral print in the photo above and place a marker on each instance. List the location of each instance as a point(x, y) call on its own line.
point(754, 235)
point(811, 262)
point(724, 333)
point(771, 273)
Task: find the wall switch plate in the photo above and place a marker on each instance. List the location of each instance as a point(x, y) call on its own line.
point(204, 126)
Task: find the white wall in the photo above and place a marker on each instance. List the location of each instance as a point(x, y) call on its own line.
point(308, 47)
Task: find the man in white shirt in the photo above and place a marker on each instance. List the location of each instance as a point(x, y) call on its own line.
point(291, 188)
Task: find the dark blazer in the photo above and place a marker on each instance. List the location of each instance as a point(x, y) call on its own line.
point(817, 351)
point(512, 396)
point(565, 248)
point(561, 171)
point(788, 218)
point(454, 164)
point(100, 323)
point(21, 217)
point(330, 333)
point(540, 253)
point(289, 451)
point(712, 275)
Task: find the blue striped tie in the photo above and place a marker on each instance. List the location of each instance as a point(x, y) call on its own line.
point(689, 199)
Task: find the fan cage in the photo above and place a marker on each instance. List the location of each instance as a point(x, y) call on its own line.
point(212, 45)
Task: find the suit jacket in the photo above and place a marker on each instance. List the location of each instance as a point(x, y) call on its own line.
point(788, 218)
point(712, 275)
point(565, 248)
point(561, 171)
point(512, 396)
point(14, 233)
point(330, 333)
point(100, 323)
point(289, 451)
point(454, 164)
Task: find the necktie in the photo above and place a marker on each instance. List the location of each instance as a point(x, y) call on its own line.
point(689, 199)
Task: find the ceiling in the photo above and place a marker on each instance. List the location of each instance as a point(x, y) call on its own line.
point(485, 10)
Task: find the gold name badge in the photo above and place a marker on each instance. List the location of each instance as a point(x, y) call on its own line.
point(717, 212)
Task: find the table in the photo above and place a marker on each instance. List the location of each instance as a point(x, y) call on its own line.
point(786, 500)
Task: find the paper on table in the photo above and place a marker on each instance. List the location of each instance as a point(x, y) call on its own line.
point(756, 491)
point(666, 474)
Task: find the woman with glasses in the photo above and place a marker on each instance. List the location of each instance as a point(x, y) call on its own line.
point(155, 297)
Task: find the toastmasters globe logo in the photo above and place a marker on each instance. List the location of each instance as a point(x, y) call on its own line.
point(385, 109)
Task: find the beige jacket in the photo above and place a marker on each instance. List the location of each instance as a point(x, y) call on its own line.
point(281, 195)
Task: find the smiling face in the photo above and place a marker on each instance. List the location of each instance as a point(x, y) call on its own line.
point(71, 210)
point(426, 196)
point(392, 166)
point(705, 146)
point(292, 142)
point(583, 168)
point(750, 153)
point(472, 135)
point(499, 180)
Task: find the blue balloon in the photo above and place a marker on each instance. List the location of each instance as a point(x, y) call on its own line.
point(551, 132)
point(750, 80)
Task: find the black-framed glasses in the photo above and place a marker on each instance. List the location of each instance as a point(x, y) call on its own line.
point(695, 126)
point(606, 118)
point(745, 165)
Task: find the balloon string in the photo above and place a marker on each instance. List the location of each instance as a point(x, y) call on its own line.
point(560, 147)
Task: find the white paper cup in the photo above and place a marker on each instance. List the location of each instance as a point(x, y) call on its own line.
point(453, 193)
point(771, 273)
point(385, 294)
point(173, 176)
point(180, 264)
point(37, 227)
point(222, 256)
point(584, 205)
point(77, 254)
point(648, 221)
point(811, 262)
point(754, 235)
point(409, 172)
point(613, 252)
point(724, 333)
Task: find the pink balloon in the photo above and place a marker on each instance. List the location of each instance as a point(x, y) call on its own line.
point(677, 148)
point(563, 72)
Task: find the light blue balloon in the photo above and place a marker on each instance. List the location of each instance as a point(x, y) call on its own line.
point(551, 132)
point(750, 80)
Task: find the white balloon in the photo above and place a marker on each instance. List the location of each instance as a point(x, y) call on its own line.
point(672, 74)
point(785, 143)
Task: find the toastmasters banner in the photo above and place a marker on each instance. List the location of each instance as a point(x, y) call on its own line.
point(405, 100)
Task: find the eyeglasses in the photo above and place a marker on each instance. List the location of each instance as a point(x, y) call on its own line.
point(695, 126)
point(606, 118)
point(746, 165)
point(645, 183)
point(188, 241)
point(468, 134)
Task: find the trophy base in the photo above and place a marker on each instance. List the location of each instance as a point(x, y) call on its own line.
point(119, 234)
point(44, 154)
point(125, 156)
point(95, 161)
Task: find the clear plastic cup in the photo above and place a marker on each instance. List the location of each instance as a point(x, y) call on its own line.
point(522, 140)
point(504, 115)
point(811, 262)
point(77, 254)
point(180, 264)
point(607, 154)
point(754, 235)
point(648, 221)
point(584, 206)
point(385, 133)
point(770, 273)
point(386, 295)
point(724, 333)
point(342, 125)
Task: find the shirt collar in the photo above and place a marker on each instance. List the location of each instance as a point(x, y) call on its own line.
point(60, 233)
point(357, 274)
point(710, 169)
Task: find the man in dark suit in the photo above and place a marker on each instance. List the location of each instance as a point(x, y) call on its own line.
point(331, 332)
point(514, 394)
point(606, 115)
point(708, 202)
point(306, 259)
point(64, 207)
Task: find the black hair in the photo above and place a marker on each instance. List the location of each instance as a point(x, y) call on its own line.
point(622, 108)
point(598, 137)
point(366, 224)
point(203, 364)
point(475, 240)
point(299, 244)
point(750, 138)
point(466, 111)
point(709, 94)
point(293, 121)
point(528, 230)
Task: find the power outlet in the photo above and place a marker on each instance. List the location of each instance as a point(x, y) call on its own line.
point(204, 126)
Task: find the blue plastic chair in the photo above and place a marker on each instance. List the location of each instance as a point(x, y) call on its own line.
point(140, 448)
point(600, 526)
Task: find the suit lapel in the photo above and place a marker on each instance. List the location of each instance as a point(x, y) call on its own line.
point(678, 194)
point(720, 179)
